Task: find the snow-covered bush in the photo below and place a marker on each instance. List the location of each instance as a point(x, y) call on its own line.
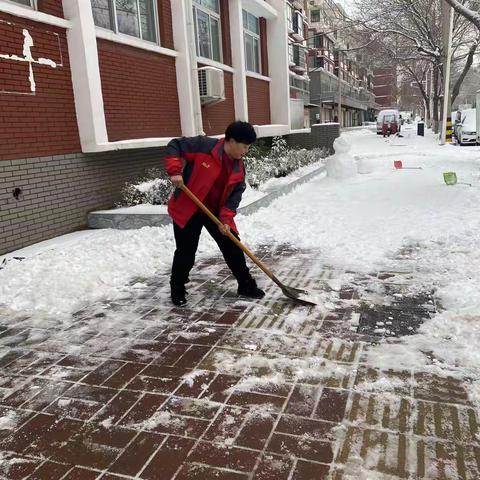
point(262, 163)
point(278, 162)
point(153, 188)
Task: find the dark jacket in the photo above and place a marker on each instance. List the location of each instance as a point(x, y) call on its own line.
point(199, 161)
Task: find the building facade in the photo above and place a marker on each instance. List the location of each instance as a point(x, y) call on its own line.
point(92, 90)
point(297, 25)
point(384, 86)
point(336, 70)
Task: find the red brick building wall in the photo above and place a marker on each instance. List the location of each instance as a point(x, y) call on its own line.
point(139, 92)
point(264, 46)
point(384, 86)
point(165, 20)
point(52, 7)
point(216, 117)
point(42, 122)
point(225, 25)
point(258, 94)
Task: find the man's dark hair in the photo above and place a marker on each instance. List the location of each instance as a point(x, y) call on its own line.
point(241, 132)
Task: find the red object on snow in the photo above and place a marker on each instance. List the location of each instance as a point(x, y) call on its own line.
point(398, 164)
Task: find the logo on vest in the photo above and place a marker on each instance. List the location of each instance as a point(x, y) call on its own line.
point(205, 164)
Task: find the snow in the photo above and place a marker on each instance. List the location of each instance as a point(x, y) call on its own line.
point(8, 421)
point(354, 221)
point(144, 208)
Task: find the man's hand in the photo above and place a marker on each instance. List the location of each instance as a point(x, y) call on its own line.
point(177, 180)
point(225, 229)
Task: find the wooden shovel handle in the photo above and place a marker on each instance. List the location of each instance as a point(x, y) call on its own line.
point(230, 235)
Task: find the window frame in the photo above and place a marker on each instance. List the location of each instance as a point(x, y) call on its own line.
point(112, 8)
point(298, 26)
point(198, 6)
point(316, 12)
point(32, 4)
point(256, 37)
point(290, 10)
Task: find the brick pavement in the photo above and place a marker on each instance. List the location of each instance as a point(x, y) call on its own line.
point(229, 389)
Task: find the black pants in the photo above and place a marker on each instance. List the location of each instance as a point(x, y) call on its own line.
point(186, 240)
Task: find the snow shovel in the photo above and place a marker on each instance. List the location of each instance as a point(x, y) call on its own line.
point(399, 166)
point(451, 179)
point(290, 292)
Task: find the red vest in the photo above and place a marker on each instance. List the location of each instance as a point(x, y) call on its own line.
point(203, 164)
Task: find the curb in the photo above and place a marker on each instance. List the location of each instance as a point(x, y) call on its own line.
point(121, 221)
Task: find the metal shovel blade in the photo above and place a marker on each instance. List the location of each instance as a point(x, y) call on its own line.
point(293, 293)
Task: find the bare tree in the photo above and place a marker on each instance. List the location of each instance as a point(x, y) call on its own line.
point(411, 35)
point(470, 14)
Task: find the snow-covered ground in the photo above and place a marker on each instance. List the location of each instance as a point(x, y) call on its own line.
point(356, 223)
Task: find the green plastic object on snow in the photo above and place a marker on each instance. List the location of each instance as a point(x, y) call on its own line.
point(450, 178)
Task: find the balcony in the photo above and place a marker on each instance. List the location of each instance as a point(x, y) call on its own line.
point(300, 88)
point(299, 58)
point(324, 87)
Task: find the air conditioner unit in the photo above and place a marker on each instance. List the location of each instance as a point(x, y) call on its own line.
point(211, 85)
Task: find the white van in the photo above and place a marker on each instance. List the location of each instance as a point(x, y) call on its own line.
point(382, 114)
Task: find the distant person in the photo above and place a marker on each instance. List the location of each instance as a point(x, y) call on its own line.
point(213, 169)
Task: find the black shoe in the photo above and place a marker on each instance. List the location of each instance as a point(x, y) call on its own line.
point(250, 289)
point(178, 295)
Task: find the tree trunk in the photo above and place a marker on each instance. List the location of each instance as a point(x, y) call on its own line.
point(466, 68)
point(436, 99)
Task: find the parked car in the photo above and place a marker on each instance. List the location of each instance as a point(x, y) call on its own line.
point(467, 129)
point(388, 112)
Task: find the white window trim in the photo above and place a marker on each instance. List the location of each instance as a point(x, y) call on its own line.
point(217, 16)
point(289, 17)
point(256, 36)
point(214, 63)
point(124, 39)
point(33, 4)
point(257, 76)
point(23, 11)
point(116, 32)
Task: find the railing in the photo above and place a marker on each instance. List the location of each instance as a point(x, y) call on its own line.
point(328, 91)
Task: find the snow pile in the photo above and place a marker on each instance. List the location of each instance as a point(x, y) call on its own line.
point(67, 278)
point(8, 421)
point(342, 164)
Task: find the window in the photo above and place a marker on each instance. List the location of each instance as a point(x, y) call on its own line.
point(315, 16)
point(298, 24)
point(27, 3)
point(137, 18)
point(206, 14)
point(289, 17)
point(290, 54)
point(251, 40)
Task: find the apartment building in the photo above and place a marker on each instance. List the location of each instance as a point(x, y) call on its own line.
point(297, 24)
point(335, 71)
point(91, 90)
point(385, 85)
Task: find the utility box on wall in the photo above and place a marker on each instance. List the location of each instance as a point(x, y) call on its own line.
point(211, 85)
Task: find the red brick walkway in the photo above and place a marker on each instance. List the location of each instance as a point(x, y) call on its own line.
point(227, 389)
